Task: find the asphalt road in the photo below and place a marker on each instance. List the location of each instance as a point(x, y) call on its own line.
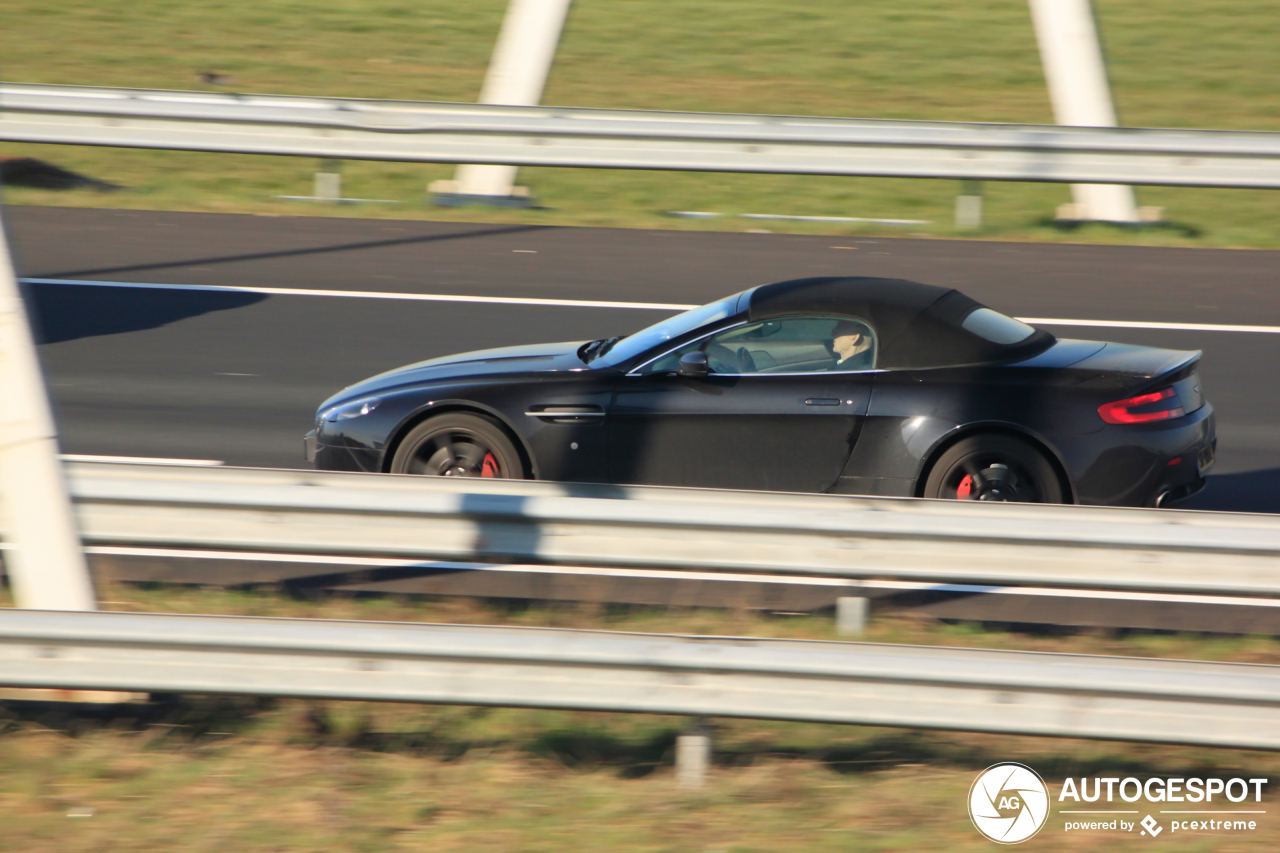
point(236, 377)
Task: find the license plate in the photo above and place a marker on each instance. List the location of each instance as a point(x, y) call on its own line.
point(1204, 459)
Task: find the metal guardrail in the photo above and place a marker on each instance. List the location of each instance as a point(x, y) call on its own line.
point(1218, 704)
point(375, 515)
point(342, 128)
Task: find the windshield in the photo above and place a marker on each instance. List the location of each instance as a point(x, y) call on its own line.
point(673, 327)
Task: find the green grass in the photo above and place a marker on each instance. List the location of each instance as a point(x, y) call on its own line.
point(917, 59)
point(293, 775)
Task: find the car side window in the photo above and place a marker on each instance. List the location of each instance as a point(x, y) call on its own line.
point(784, 345)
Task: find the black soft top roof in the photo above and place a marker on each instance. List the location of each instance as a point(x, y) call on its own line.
point(917, 325)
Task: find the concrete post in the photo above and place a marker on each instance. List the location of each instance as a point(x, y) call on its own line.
point(1077, 77)
point(44, 562)
point(517, 74)
point(693, 757)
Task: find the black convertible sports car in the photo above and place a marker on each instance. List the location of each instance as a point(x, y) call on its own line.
point(847, 385)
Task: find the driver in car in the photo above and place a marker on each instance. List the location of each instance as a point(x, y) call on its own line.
point(850, 346)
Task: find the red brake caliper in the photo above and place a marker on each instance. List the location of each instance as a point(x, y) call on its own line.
point(962, 491)
point(489, 468)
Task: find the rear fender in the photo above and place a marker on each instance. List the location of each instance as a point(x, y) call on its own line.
point(1039, 442)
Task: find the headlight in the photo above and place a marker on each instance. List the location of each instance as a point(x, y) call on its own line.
point(350, 410)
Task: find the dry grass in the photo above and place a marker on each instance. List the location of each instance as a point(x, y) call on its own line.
point(292, 775)
point(251, 774)
point(900, 628)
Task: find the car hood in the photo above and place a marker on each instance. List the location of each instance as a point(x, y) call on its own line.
point(533, 358)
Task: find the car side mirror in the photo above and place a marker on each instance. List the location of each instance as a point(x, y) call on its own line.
point(694, 364)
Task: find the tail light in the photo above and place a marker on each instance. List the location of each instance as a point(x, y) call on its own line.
point(1159, 406)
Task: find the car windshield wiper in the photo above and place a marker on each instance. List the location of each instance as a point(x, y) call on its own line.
point(590, 352)
point(608, 345)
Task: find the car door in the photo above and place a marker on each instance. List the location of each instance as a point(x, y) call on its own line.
point(783, 417)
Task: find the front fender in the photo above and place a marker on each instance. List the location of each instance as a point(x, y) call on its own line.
point(452, 404)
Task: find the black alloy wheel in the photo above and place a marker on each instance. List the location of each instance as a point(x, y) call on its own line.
point(458, 445)
point(993, 468)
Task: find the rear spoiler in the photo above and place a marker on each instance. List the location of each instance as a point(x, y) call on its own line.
point(1144, 365)
point(1178, 368)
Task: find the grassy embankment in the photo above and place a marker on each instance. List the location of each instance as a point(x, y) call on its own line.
point(219, 774)
point(919, 59)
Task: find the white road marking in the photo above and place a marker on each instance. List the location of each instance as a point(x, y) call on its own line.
point(1131, 324)
point(365, 294)
point(832, 219)
point(674, 574)
point(449, 565)
point(1046, 592)
point(589, 303)
point(142, 460)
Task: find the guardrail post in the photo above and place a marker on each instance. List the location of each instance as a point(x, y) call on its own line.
point(329, 181)
point(1081, 97)
point(851, 616)
point(518, 72)
point(969, 205)
point(693, 756)
point(45, 565)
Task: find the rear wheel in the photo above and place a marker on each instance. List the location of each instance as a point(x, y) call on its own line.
point(993, 468)
point(458, 445)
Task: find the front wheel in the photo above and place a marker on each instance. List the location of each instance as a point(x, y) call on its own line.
point(993, 468)
point(458, 445)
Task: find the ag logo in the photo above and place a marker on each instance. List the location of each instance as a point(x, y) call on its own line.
point(1008, 803)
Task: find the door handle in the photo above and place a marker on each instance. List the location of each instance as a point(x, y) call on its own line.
point(822, 401)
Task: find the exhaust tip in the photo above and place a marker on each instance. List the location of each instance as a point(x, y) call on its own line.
point(1170, 496)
